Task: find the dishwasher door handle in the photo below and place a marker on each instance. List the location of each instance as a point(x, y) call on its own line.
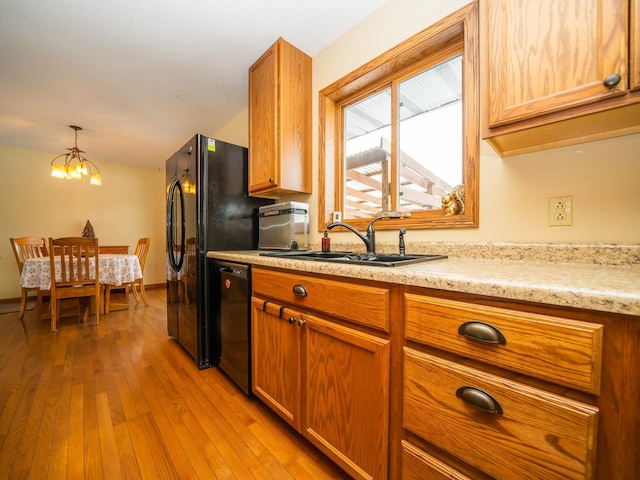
point(226, 269)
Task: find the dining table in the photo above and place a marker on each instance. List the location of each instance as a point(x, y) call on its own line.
point(115, 269)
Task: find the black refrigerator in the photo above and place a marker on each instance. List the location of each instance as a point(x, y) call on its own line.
point(208, 208)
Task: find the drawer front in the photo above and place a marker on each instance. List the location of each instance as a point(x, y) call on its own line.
point(504, 428)
point(362, 304)
point(566, 352)
point(419, 465)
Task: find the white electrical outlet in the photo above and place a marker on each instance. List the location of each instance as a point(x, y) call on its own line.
point(337, 216)
point(561, 211)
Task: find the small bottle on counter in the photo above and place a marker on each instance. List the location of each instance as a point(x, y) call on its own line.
point(326, 242)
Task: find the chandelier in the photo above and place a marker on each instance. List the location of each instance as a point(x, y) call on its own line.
point(74, 165)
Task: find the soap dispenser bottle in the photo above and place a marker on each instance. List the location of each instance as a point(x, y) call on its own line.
point(326, 242)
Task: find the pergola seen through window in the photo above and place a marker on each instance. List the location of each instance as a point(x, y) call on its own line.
point(429, 131)
point(403, 130)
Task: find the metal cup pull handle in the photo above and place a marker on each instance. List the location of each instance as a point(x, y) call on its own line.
point(482, 332)
point(479, 399)
point(299, 290)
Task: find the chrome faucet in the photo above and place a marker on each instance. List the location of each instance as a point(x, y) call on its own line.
point(370, 238)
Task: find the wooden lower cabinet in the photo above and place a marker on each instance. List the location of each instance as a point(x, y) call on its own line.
point(500, 389)
point(410, 383)
point(329, 381)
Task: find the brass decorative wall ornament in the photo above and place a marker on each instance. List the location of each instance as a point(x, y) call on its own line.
point(453, 203)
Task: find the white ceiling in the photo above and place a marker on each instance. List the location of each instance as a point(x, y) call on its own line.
point(142, 76)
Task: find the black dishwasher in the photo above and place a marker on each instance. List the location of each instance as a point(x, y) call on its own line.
point(235, 322)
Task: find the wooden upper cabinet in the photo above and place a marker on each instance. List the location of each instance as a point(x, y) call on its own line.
point(548, 62)
point(280, 123)
point(635, 45)
point(547, 55)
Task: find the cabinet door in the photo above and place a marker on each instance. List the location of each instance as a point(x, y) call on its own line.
point(275, 348)
point(542, 56)
point(346, 396)
point(263, 122)
point(635, 45)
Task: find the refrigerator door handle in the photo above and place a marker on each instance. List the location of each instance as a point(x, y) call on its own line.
point(175, 185)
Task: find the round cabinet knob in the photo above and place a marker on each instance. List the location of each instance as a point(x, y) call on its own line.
point(612, 80)
point(301, 322)
point(270, 179)
point(292, 320)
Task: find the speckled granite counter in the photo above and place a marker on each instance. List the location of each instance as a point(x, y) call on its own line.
point(609, 286)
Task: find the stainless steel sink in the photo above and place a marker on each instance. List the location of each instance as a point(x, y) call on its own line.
point(381, 260)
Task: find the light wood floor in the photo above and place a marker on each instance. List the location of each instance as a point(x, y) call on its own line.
point(123, 400)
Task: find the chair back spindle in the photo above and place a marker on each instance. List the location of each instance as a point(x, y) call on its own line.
point(28, 247)
point(142, 250)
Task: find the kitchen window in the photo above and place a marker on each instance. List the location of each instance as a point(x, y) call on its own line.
point(402, 131)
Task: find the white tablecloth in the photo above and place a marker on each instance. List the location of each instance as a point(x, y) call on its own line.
point(115, 269)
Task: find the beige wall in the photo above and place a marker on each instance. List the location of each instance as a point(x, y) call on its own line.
point(603, 177)
point(236, 131)
point(129, 205)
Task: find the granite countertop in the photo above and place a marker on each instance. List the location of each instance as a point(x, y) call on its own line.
point(609, 286)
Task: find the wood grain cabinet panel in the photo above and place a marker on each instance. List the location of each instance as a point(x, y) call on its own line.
point(366, 305)
point(564, 351)
point(558, 73)
point(346, 396)
point(541, 64)
point(280, 123)
point(419, 465)
point(503, 428)
point(276, 359)
point(635, 45)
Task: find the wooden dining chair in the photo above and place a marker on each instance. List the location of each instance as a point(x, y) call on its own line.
point(76, 258)
point(142, 249)
point(24, 248)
